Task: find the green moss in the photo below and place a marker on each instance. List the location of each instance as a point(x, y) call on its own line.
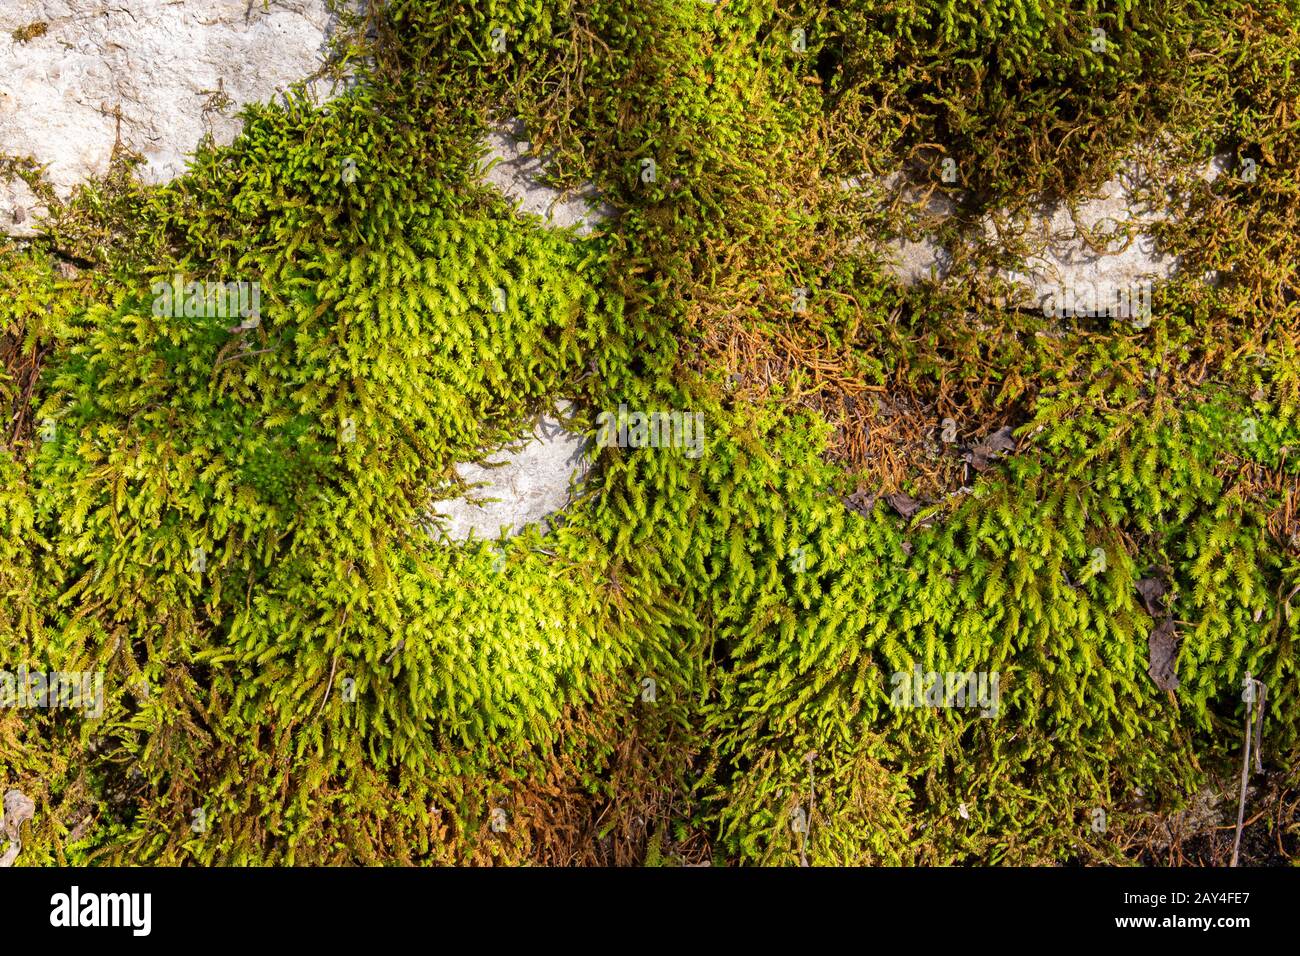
point(233, 518)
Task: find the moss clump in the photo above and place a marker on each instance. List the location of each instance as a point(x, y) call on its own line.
point(703, 659)
point(30, 32)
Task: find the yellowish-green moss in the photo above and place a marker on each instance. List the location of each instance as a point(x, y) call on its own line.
point(329, 685)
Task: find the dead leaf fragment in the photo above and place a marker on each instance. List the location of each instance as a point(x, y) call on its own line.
point(1151, 590)
point(1162, 645)
point(1001, 442)
point(861, 502)
point(984, 453)
point(904, 504)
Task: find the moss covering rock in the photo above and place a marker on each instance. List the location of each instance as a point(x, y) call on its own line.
point(746, 650)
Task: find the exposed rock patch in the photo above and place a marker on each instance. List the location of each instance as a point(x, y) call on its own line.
point(912, 260)
point(18, 809)
point(1100, 244)
point(518, 486)
point(511, 167)
point(156, 74)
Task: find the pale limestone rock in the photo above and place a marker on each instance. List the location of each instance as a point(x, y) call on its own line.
point(1101, 243)
point(172, 70)
point(18, 809)
point(534, 480)
point(510, 167)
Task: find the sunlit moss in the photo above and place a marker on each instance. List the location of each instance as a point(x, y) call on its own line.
point(231, 517)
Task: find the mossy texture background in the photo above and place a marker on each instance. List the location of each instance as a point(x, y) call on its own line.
point(331, 685)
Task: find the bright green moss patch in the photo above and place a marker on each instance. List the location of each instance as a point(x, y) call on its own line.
point(707, 658)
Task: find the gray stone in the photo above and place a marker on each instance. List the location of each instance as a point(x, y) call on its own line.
point(914, 255)
point(170, 71)
point(1100, 243)
point(510, 166)
point(18, 809)
point(517, 486)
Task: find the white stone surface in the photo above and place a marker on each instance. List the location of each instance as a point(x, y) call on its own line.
point(18, 809)
point(1101, 245)
point(916, 256)
point(1101, 242)
point(531, 483)
point(173, 69)
point(510, 166)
